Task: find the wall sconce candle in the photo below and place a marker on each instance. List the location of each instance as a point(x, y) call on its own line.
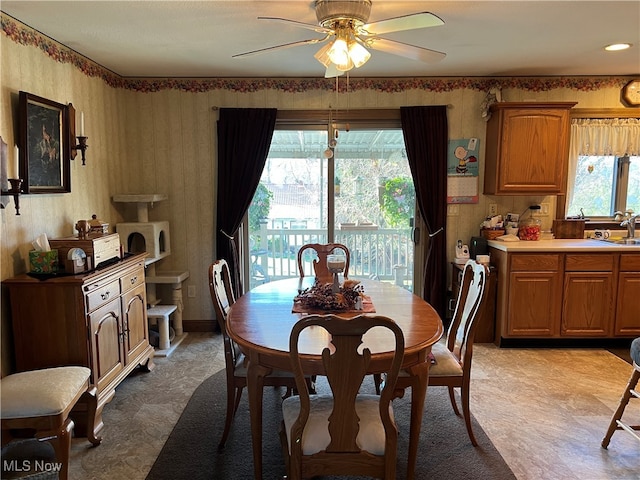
point(14, 168)
point(82, 139)
point(9, 173)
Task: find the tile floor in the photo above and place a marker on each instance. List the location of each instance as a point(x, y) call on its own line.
point(546, 411)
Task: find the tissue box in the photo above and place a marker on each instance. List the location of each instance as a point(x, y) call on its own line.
point(43, 262)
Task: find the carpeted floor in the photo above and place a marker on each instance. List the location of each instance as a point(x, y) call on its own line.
point(191, 450)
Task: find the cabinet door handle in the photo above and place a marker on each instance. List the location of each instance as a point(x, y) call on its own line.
point(105, 295)
point(134, 280)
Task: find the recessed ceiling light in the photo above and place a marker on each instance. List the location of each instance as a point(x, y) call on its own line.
point(617, 46)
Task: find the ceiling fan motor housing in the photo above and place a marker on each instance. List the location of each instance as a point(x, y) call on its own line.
point(329, 12)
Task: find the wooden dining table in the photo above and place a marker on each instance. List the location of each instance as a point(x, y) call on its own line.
point(261, 320)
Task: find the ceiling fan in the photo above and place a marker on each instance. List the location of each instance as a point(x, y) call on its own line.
point(345, 28)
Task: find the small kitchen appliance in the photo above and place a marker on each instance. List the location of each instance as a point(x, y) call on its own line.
point(462, 252)
point(478, 246)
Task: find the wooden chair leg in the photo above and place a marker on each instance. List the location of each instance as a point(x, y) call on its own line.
point(285, 448)
point(377, 380)
point(91, 397)
point(237, 400)
point(289, 391)
point(452, 398)
point(464, 393)
point(626, 396)
point(233, 401)
point(61, 442)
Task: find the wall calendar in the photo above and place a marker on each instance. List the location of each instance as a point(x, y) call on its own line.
point(462, 171)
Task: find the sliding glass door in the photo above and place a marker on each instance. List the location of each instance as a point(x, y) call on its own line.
point(333, 183)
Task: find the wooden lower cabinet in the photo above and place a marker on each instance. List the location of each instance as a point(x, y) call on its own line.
point(588, 303)
point(566, 295)
point(533, 305)
point(627, 321)
point(97, 320)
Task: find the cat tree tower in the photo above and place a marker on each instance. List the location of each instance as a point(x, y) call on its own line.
point(153, 238)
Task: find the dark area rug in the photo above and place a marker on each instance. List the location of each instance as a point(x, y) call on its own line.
point(623, 353)
point(191, 449)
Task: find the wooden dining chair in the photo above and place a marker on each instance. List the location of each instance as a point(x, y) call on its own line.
point(223, 298)
point(629, 393)
point(451, 361)
point(320, 264)
point(345, 432)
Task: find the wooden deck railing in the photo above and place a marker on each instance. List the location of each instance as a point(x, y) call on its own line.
point(382, 253)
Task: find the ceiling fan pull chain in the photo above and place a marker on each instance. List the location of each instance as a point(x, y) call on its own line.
point(348, 101)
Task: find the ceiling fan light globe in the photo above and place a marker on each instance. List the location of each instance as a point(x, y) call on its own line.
point(322, 55)
point(358, 54)
point(339, 53)
point(332, 71)
point(345, 67)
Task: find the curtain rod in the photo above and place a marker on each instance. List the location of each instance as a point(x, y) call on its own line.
point(215, 108)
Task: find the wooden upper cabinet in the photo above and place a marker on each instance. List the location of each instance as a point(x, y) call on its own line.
point(527, 148)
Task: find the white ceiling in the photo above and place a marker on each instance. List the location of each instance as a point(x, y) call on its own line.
point(198, 38)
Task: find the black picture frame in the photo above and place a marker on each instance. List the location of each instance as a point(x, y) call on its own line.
point(44, 145)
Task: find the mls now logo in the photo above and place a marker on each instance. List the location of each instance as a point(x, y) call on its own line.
point(35, 466)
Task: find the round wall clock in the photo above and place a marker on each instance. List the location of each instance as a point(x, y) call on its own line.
point(631, 93)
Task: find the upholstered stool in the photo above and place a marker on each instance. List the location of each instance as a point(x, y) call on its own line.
point(629, 393)
point(37, 404)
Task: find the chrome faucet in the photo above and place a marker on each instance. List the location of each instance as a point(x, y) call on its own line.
point(629, 221)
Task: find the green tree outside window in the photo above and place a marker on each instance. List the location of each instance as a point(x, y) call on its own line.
point(398, 200)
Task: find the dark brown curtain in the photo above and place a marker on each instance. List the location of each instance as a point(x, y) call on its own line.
point(426, 139)
point(244, 138)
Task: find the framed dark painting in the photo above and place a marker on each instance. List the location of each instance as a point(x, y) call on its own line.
point(44, 145)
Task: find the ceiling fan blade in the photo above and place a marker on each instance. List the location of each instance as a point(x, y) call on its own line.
point(405, 50)
point(308, 26)
point(397, 24)
point(311, 41)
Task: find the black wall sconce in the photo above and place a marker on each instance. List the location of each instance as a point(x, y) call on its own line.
point(16, 185)
point(81, 143)
point(82, 146)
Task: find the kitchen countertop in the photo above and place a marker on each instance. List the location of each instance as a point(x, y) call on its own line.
point(562, 245)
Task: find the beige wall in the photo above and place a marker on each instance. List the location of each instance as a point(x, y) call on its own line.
point(164, 142)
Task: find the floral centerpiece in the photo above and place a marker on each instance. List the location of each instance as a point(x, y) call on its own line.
point(320, 296)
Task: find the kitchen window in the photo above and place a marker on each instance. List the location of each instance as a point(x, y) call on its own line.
point(605, 184)
point(604, 167)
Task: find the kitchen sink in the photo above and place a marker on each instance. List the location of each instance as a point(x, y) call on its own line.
point(621, 241)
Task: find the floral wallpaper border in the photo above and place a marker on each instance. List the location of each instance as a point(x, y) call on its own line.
point(24, 35)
